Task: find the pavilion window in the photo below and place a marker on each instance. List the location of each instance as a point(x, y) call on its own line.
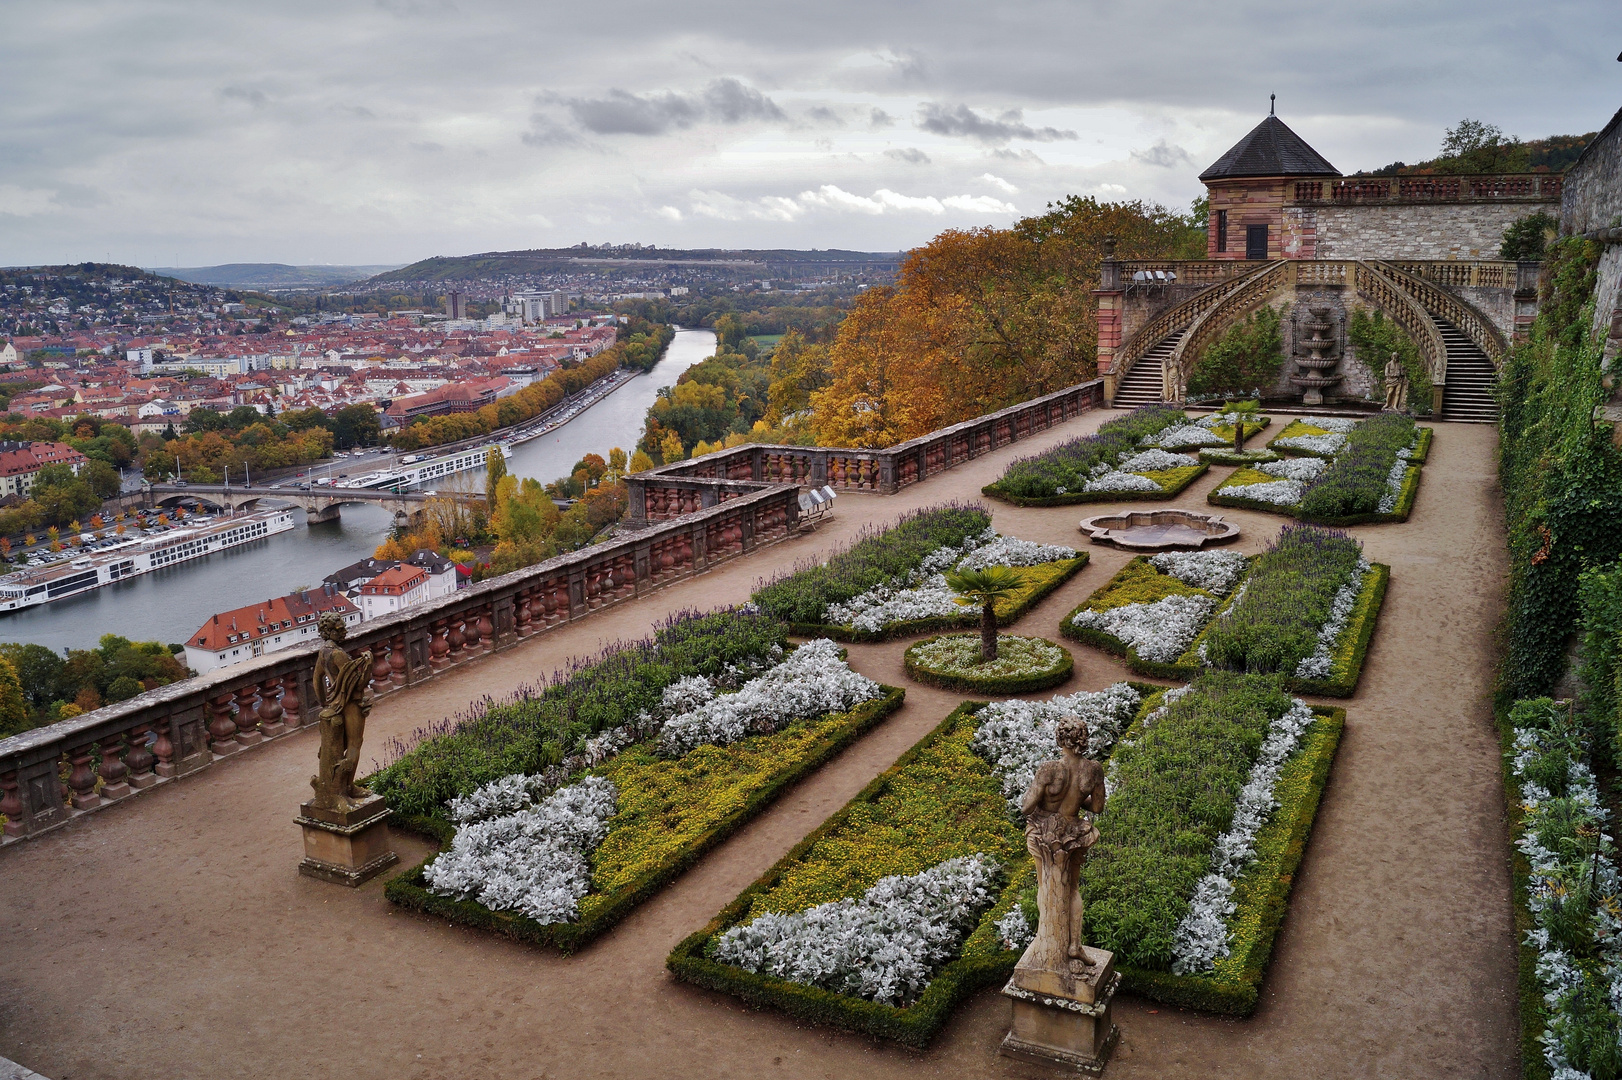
point(1222, 230)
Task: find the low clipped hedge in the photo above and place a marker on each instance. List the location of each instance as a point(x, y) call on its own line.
point(662, 863)
point(1262, 895)
point(1039, 581)
point(1138, 582)
point(1400, 513)
point(939, 800)
point(1347, 665)
point(1173, 482)
point(1024, 682)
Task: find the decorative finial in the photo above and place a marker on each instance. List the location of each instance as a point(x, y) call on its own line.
point(1271, 99)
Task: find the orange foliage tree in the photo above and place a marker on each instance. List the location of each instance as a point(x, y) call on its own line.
point(982, 319)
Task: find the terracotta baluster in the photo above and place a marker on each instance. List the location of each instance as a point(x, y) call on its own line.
point(81, 780)
point(487, 629)
point(521, 613)
point(222, 728)
point(380, 667)
point(397, 660)
point(549, 602)
point(11, 804)
point(470, 633)
point(247, 720)
point(164, 751)
point(270, 708)
point(113, 770)
point(292, 707)
point(139, 760)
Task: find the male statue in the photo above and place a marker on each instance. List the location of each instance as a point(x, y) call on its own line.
point(1396, 385)
point(343, 690)
point(1058, 838)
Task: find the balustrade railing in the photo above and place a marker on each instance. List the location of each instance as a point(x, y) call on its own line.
point(1508, 187)
point(1184, 315)
point(716, 477)
point(1406, 311)
point(1442, 303)
point(1179, 271)
point(1463, 273)
point(52, 774)
point(1243, 295)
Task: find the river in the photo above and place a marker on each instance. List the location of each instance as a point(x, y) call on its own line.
point(170, 604)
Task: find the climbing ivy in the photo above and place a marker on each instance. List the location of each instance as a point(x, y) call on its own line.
point(1375, 338)
point(1244, 360)
point(1560, 473)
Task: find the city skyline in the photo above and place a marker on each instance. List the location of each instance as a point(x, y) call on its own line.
point(178, 134)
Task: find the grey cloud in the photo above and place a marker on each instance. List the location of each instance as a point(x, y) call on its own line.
point(911, 155)
point(878, 118)
point(416, 9)
point(824, 115)
point(256, 98)
point(1027, 157)
point(725, 101)
point(964, 121)
point(1164, 156)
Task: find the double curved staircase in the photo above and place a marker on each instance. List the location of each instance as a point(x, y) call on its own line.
point(1461, 348)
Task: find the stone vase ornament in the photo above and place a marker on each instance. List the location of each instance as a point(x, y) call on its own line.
point(346, 833)
point(1061, 990)
point(1316, 369)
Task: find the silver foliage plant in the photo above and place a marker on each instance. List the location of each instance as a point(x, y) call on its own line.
point(1393, 483)
point(1306, 468)
point(1322, 660)
point(813, 681)
point(884, 946)
point(924, 594)
point(1122, 481)
point(1202, 937)
point(534, 859)
point(1160, 631)
point(1277, 492)
point(1213, 571)
point(1155, 459)
point(1016, 736)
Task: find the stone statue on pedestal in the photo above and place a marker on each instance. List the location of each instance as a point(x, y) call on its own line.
point(1061, 990)
point(1396, 385)
point(1058, 838)
point(346, 833)
point(343, 689)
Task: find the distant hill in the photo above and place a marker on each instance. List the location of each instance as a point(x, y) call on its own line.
point(270, 275)
point(631, 259)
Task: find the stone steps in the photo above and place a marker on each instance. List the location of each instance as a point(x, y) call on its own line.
point(1142, 385)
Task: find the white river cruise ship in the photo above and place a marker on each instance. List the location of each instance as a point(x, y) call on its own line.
point(79, 574)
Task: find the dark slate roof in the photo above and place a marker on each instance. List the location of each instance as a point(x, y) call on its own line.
point(1271, 149)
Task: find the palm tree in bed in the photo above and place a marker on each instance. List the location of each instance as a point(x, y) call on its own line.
point(985, 588)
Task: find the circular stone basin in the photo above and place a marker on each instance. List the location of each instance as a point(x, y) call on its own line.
point(1159, 530)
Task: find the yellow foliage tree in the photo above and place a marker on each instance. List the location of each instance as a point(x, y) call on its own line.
point(671, 449)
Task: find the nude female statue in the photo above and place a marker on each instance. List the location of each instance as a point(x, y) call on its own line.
point(343, 690)
point(1058, 838)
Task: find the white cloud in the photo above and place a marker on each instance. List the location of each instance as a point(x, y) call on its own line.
point(997, 181)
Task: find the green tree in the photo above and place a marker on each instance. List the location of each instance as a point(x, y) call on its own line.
point(1528, 237)
point(13, 708)
point(357, 425)
point(123, 688)
point(983, 588)
point(1245, 359)
point(495, 467)
point(1476, 147)
point(38, 668)
point(203, 419)
point(101, 477)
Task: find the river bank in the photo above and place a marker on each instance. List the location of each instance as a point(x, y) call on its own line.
point(170, 604)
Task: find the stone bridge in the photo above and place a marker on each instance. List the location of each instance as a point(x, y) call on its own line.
point(319, 503)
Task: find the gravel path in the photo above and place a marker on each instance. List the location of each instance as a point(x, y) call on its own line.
point(172, 938)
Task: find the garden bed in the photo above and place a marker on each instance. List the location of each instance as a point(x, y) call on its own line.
point(1175, 640)
point(941, 800)
point(1173, 482)
point(952, 662)
point(678, 811)
point(1367, 480)
point(1140, 584)
point(944, 800)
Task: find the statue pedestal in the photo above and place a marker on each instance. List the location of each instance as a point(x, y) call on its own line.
point(1061, 1018)
point(346, 847)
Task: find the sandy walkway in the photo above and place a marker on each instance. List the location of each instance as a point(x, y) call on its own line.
point(172, 937)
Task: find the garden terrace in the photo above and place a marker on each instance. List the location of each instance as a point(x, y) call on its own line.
point(174, 927)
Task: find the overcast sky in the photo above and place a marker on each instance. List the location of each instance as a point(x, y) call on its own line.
point(372, 131)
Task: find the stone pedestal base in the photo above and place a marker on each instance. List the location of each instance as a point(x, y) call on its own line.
point(1064, 1019)
point(346, 847)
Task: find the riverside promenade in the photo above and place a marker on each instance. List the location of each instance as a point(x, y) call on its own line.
point(172, 936)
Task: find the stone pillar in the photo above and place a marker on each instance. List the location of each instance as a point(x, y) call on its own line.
point(1063, 1020)
point(247, 719)
point(113, 769)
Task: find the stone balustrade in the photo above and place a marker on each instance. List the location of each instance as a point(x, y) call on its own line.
point(715, 478)
point(1511, 187)
point(52, 774)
